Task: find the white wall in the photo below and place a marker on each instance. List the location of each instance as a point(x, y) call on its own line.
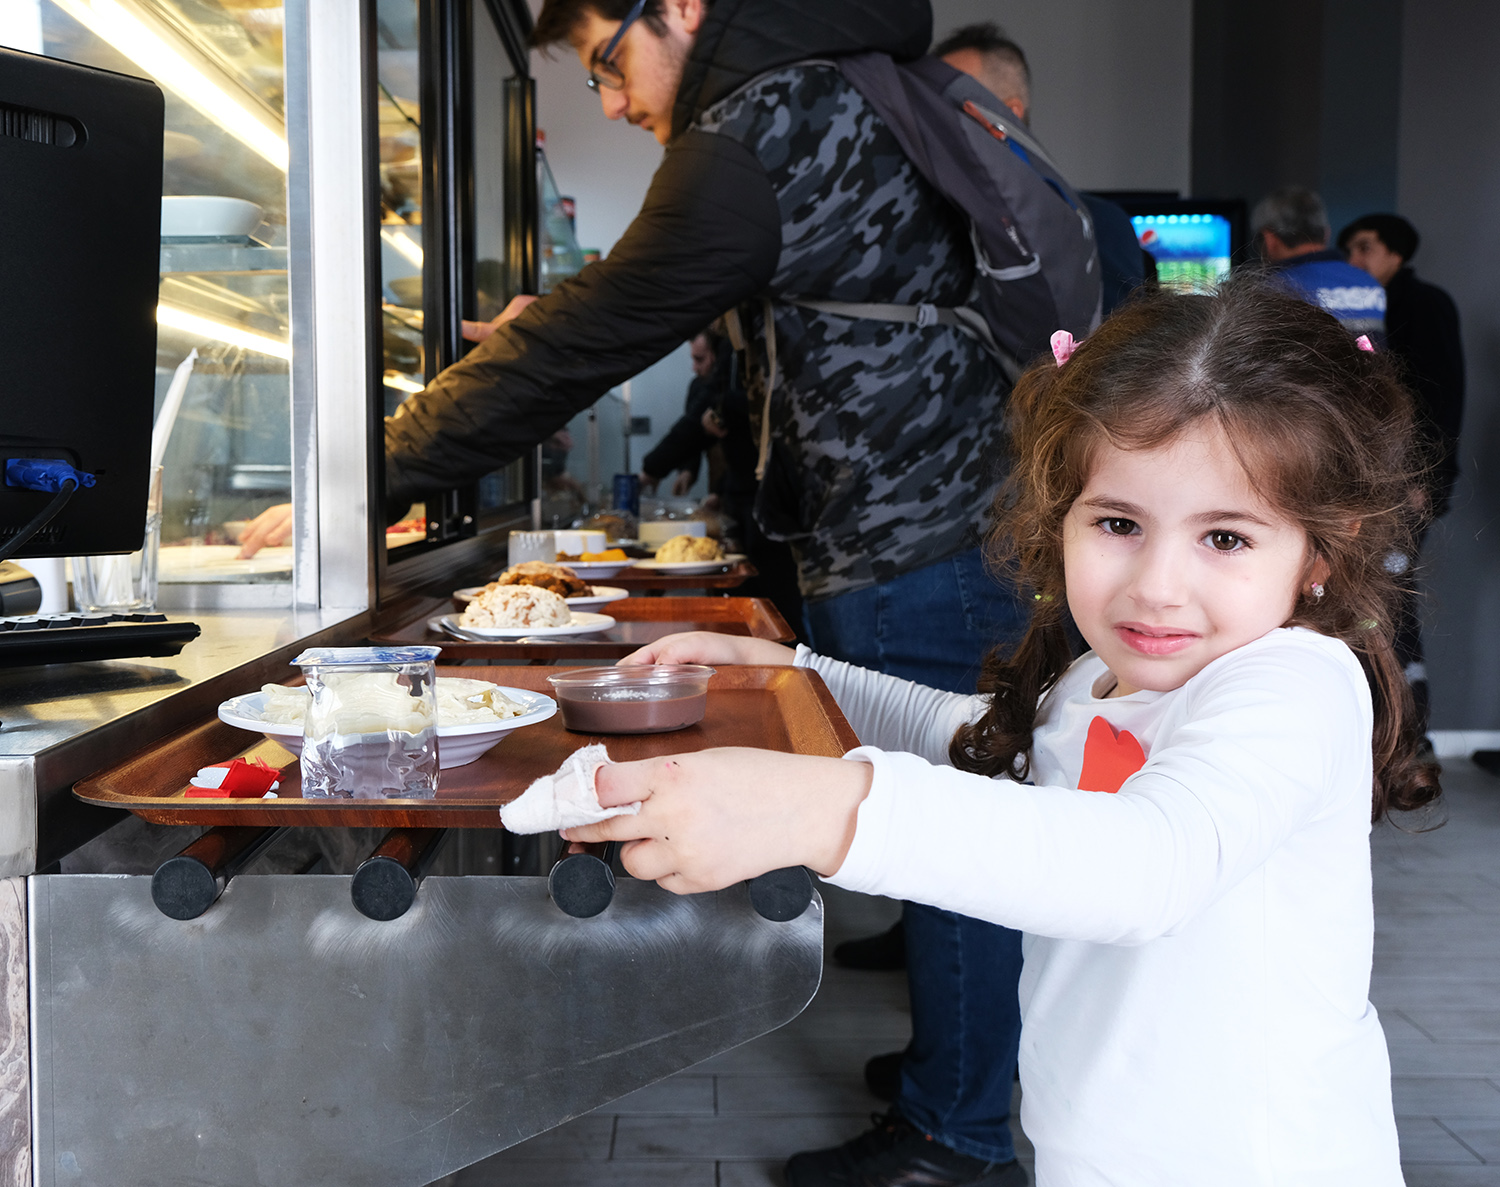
point(1111, 83)
point(1449, 186)
point(21, 25)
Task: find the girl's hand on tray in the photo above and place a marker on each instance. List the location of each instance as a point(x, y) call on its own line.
point(710, 647)
point(716, 817)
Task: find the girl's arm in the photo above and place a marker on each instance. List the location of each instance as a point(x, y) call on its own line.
point(715, 817)
point(884, 711)
point(1264, 745)
point(892, 713)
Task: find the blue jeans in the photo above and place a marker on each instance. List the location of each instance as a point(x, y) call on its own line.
point(933, 625)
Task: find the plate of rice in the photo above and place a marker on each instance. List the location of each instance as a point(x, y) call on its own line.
point(598, 595)
point(520, 611)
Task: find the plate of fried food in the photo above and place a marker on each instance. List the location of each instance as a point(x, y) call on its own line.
point(560, 579)
point(690, 555)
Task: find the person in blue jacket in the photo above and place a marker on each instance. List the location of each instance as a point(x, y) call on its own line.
point(1289, 227)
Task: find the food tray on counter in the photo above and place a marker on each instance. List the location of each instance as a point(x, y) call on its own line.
point(635, 578)
point(775, 708)
point(637, 622)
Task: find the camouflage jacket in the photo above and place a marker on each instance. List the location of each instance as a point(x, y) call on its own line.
point(779, 183)
point(887, 437)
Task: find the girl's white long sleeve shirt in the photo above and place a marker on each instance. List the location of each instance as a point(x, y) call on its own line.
point(1198, 942)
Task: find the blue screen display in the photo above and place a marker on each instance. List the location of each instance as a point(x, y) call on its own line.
point(1191, 250)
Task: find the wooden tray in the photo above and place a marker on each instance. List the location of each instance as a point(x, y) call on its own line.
point(649, 579)
point(638, 622)
point(787, 709)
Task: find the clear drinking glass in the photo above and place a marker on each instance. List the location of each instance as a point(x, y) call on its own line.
point(532, 546)
point(123, 584)
point(371, 728)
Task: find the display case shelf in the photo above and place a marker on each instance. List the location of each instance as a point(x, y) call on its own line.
point(241, 256)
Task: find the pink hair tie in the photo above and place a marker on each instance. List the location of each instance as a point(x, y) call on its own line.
point(1363, 342)
point(1063, 346)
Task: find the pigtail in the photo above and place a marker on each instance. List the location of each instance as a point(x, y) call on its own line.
point(999, 743)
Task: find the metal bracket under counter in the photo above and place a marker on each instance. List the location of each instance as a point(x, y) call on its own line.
point(284, 1039)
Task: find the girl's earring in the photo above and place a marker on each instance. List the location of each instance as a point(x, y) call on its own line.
point(1317, 590)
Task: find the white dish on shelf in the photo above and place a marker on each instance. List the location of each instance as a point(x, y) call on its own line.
point(458, 745)
point(691, 568)
point(221, 564)
point(590, 569)
point(656, 532)
point(207, 216)
point(599, 595)
point(584, 623)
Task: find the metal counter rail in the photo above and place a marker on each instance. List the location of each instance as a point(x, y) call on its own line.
point(282, 1038)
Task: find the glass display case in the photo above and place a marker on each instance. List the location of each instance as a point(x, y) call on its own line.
point(457, 233)
point(224, 299)
point(423, 112)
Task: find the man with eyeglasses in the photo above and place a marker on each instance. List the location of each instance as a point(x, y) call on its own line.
point(780, 184)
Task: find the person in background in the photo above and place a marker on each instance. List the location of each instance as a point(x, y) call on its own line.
point(1289, 228)
point(985, 52)
point(1422, 330)
point(699, 428)
point(716, 424)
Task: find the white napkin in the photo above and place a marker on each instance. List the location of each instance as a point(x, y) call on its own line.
point(565, 799)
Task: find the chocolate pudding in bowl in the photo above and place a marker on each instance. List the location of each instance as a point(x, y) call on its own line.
point(638, 699)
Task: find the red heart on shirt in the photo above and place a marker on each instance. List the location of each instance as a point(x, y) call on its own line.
point(1109, 758)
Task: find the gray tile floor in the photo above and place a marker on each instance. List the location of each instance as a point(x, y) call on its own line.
point(732, 1121)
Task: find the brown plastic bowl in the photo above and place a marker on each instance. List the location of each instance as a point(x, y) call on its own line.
point(635, 699)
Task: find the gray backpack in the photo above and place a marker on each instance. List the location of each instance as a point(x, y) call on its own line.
point(1036, 263)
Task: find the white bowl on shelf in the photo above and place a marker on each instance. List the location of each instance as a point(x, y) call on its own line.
point(656, 532)
point(207, 216)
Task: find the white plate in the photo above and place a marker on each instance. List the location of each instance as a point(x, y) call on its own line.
point(591, 569)
point(458, 745)
point(656, 532)
point(691, 568)
point(584, 623)
point(602, 595)
point(207, 216)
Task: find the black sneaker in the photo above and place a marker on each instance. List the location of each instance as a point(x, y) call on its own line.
point(883, 1075)
point(897, 1154)
point(881, 953)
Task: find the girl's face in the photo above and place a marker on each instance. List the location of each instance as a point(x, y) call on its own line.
point(1172, 560)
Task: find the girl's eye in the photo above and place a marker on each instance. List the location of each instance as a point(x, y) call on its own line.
point(1119, 527)
point(1225, 541)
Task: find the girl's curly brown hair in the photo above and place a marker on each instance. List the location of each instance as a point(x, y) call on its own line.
point(1323, 428)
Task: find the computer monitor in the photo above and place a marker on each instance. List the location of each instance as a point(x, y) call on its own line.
point(80, 228)
point(1194, 242)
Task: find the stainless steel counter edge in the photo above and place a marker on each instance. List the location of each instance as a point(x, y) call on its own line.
point(61, 722)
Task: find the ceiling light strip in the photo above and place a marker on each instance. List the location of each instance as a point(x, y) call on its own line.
point(192, 323)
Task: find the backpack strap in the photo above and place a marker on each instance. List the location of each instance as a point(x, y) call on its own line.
point(964, 318)
point(768, 313)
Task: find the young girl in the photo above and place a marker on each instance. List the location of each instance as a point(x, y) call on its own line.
point(1179, 819)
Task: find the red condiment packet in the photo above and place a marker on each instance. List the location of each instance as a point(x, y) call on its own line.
point(241, 780)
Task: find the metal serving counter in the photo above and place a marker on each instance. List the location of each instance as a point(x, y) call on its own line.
point(283, 1040)
point(60, 722)
point(287, 1034)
